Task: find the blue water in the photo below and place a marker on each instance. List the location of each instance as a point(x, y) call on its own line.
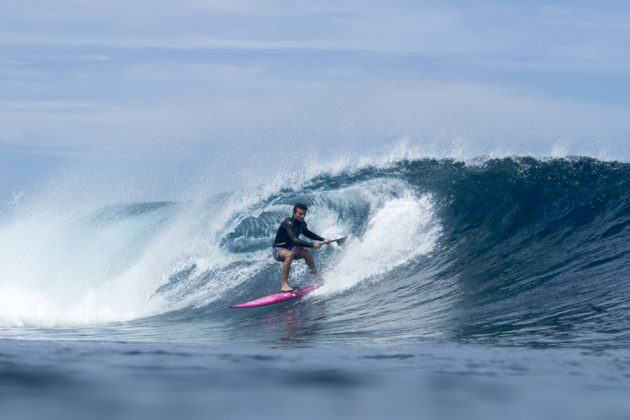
point(483, 289)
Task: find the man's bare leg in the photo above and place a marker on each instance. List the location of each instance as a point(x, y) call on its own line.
point(287, 256)
point(303, 253)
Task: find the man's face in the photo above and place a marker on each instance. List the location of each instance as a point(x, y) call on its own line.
point(299, 214)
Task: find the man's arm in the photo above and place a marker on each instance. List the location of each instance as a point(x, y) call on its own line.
point(311, 235)
point(294, 239)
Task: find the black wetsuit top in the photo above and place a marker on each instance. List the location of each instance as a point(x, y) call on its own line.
point(289, 231)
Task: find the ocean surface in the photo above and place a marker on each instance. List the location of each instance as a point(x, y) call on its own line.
point(488, 288)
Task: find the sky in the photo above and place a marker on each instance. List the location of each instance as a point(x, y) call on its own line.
point(232, 89)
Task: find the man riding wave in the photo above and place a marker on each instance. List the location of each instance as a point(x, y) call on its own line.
point(288, 246)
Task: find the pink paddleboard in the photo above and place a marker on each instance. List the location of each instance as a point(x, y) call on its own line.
point(279, 297)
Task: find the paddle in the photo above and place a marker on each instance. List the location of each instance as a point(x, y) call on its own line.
point(339, 241)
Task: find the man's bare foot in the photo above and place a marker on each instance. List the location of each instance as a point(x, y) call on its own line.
point(287, 289)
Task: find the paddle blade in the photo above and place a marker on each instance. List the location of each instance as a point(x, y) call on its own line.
point(340, 241)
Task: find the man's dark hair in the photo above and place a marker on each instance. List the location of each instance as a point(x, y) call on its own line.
point(299, 206)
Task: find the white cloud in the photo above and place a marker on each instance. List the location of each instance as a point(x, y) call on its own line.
point(436, 115)
point(537, 34)
point(104, 74)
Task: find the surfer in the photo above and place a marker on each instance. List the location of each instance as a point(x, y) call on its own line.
point(288, 247)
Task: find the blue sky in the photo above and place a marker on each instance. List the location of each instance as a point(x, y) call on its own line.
point(224, 84)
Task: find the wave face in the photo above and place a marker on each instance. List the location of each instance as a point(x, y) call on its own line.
point(514, 251)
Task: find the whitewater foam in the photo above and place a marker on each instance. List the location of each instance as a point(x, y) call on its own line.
point(398, 231)
point(79, 267)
